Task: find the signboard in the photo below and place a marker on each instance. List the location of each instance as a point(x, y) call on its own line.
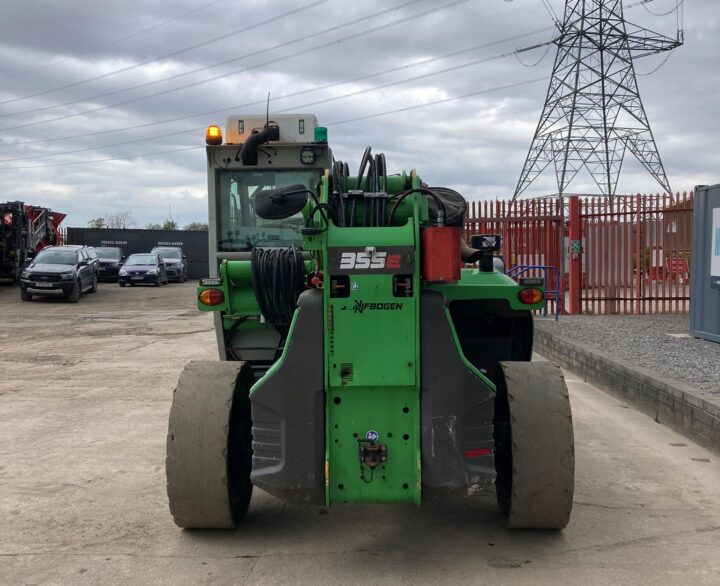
point(715, 248)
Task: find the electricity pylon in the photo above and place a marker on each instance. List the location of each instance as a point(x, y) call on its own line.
point(593, 112)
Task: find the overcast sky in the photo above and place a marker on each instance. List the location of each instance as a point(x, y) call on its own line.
point(76, 74)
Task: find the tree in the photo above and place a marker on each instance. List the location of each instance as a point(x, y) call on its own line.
point(119, 220)
point(96, 223)
point(197, 226)
point(153, 226)
point(170, 225)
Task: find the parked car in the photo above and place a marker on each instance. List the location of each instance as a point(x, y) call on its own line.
point(111, 259)
point(175, 261)
point(61, 270)
point(145, 268)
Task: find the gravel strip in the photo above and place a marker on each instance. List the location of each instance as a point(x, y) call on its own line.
point(646, 340)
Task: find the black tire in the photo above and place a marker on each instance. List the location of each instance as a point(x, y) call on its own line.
point(74, 295)
point(24, 295)
point(209, 445)
point(94, 285)
point(534, 446)
point(157, 282)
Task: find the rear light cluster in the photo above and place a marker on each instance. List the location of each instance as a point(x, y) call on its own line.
point(211, 297)
point(530, 296)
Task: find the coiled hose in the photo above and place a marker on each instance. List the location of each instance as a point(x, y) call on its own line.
point(278, 278)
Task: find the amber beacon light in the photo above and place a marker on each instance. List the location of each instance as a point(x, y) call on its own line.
point(213, 135)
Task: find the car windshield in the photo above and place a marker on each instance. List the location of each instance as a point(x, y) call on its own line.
point(108, 253)
point(168, 252)
point(141, 259)
point(238, 227)
point(55, 256)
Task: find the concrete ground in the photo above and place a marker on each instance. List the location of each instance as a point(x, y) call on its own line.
point(84, 395)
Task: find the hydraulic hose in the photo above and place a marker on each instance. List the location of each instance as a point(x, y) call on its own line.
point(278, 278)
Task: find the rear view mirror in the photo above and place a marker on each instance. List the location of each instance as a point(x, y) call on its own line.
point(486, 242)
point(281, 203)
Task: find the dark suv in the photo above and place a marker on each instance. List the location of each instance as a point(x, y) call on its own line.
point(111, 261)
point(175, 262)
point(61, 270)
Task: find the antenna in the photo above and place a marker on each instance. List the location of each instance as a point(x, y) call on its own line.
point(267, 112)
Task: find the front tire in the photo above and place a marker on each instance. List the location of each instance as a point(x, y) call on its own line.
point(74, 295)
point(534, 446)
point(25, 296)
point(209, 445)
point(94, 286)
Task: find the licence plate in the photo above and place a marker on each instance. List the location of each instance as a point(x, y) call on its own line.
point(137, 278)
point(45, 285)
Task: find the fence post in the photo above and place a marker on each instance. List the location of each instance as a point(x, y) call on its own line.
point(574, 256)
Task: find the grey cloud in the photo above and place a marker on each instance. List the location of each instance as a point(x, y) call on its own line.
point(478, 144)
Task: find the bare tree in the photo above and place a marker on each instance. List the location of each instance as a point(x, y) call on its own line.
point(119, 220)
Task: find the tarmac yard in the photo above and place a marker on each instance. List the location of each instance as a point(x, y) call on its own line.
point(85, 392)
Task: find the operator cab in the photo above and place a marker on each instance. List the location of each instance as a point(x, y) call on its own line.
point(260, 153)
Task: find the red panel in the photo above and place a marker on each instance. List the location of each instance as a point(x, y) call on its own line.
point(441, 255)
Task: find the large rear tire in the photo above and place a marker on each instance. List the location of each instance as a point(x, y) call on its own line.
point(534, 444)
point(209, 449)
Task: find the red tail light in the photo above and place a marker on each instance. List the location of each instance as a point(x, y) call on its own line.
point(211, 297)
point(478, 452)
point(530, 296)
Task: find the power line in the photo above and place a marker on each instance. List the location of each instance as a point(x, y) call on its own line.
point(249, 68)
point(153, 60)
point(120, 40)
point(299, 107)
point(335, 123)
point(212, 66)
point(126, 158)
point(226, 109)
point(551, 11)
point(436, 102)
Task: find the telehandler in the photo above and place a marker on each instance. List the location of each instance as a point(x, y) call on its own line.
point(368, 354)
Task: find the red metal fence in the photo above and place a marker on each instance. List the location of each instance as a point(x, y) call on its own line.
point(626, 254)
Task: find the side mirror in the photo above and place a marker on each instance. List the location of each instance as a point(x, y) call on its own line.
point(281, 203)
point(184, 257)
point(82, 263)
point(488, 243)
point(122, 258)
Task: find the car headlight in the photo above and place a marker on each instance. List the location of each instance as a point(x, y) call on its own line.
point(123, 273)
point(24, 275)
point(67, 276)
point(152, 272)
